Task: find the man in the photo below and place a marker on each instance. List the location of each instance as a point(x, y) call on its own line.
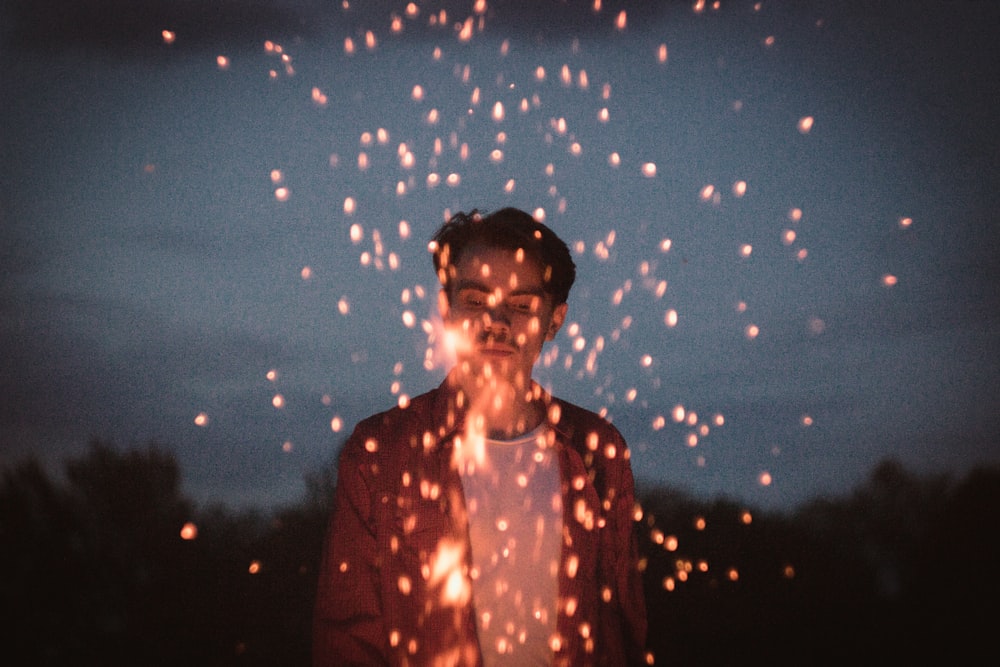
point(486, 522)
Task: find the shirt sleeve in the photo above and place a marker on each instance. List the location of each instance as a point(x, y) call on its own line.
point(621, 547)
point(630, 585)
point(348, 623)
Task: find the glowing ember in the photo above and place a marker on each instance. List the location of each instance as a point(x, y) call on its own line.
point(189, 531)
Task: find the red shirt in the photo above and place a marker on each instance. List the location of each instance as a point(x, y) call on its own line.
point(393, 585)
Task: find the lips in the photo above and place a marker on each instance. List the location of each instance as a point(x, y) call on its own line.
point(497, 350)
point(491, 346)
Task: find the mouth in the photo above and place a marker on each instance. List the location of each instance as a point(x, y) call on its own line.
point(496, 350)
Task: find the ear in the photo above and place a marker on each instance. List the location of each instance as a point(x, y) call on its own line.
point(558, 317)
point(444, 306)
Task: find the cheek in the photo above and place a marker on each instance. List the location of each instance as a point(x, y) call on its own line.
point(534, 325)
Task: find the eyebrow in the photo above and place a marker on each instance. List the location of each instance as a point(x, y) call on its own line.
point(480, 287)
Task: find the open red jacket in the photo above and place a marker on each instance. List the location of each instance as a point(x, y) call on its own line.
point(393, 583)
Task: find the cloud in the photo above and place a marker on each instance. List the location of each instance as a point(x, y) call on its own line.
point(132, 27)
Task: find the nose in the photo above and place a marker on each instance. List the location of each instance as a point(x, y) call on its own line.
point(495, 321)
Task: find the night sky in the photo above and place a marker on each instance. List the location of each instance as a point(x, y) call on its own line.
point(784, 215)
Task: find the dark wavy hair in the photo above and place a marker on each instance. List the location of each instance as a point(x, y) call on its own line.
point(509, 229)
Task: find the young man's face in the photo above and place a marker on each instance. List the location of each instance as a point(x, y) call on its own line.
point(499, 313)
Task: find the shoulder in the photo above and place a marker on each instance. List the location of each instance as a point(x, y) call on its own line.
point(580, 423)
point(385, 428)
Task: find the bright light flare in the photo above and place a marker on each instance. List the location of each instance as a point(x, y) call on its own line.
point(189, 531)
point(446, 571)
point(201, 419)
point(805, 124)
point(169, 36)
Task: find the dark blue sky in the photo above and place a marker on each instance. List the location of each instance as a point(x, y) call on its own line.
point(151, 273)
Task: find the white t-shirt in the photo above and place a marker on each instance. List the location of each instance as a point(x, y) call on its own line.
point(515, 524)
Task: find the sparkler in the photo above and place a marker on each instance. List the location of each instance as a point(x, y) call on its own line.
point(508, 125)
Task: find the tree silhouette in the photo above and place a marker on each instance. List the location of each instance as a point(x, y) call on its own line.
point(97, 572)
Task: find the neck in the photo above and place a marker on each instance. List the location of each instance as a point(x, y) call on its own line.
point(502, 409)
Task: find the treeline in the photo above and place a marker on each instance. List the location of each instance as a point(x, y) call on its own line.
point(112, 565)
